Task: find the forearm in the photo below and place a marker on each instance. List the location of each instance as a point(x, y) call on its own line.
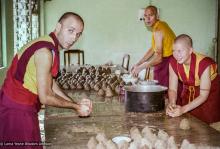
point(57, 90)
point(205, 85)
point(147, 55)
point(55, 100)
point(172, 97)
point(156, 59)
point(195, 103)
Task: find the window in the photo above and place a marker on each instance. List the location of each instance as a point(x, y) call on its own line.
point(1, 49)
point(26, 22)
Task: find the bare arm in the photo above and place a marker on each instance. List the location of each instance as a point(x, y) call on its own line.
point(152, 57)
point(43, 62)
point(157, 53)
point(56, 89)
point(172, 91)
point(205, 86)
point(146, 56)
point(173, 83)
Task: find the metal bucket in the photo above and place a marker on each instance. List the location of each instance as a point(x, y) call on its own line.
point(148, 98)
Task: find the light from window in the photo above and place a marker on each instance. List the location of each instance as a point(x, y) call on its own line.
point(26, 22)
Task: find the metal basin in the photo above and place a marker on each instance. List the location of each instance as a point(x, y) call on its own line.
point(148, 98)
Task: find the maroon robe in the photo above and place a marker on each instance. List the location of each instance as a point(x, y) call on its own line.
point(18, 106)
point(161, 72)
point(209, 111)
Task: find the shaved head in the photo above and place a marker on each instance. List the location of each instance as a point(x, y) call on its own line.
point(71, 14)
point(68, 29)
point(186, 39)
point(152, 8)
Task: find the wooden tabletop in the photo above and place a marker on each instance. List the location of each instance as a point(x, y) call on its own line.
point(64, 129)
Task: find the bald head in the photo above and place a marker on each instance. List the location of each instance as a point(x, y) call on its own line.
point(152, 8)
point(70, 14)
point(68, 29)
point(186, 39)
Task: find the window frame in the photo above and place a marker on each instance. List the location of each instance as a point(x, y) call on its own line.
point(1, 46)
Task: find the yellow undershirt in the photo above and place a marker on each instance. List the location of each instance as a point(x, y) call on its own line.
point(30, 81)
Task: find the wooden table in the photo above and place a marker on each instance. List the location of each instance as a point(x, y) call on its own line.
point(64, 129)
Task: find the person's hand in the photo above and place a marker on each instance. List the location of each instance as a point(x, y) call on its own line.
point(85, 107)
point(86, 102)
point(170, 107)
point(136, 71)
point(177, 111)
point(133, 67)
point(83, 111)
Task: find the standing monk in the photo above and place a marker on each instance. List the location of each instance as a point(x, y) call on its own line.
point(201, 83)
point(161, 50)
point(30, 83)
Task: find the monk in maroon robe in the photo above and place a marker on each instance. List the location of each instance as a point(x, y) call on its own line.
point(201, 83)
point(30, 82)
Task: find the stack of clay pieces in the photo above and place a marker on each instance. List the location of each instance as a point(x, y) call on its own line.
point(101, 142)
point(146, 139)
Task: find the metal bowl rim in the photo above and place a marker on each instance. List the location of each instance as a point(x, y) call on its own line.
point(145, 88)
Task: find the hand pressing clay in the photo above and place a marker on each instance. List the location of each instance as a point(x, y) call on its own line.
point(184, 124)
point(92, 143)
point(84, 109)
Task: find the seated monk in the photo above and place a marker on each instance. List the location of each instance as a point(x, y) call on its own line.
point(201, 83)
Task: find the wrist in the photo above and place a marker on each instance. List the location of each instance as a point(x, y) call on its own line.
point(143, 66)
point(147, 64)
point(76, 106)
point(137, 64)
point(172, 101)
point(184, 109)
